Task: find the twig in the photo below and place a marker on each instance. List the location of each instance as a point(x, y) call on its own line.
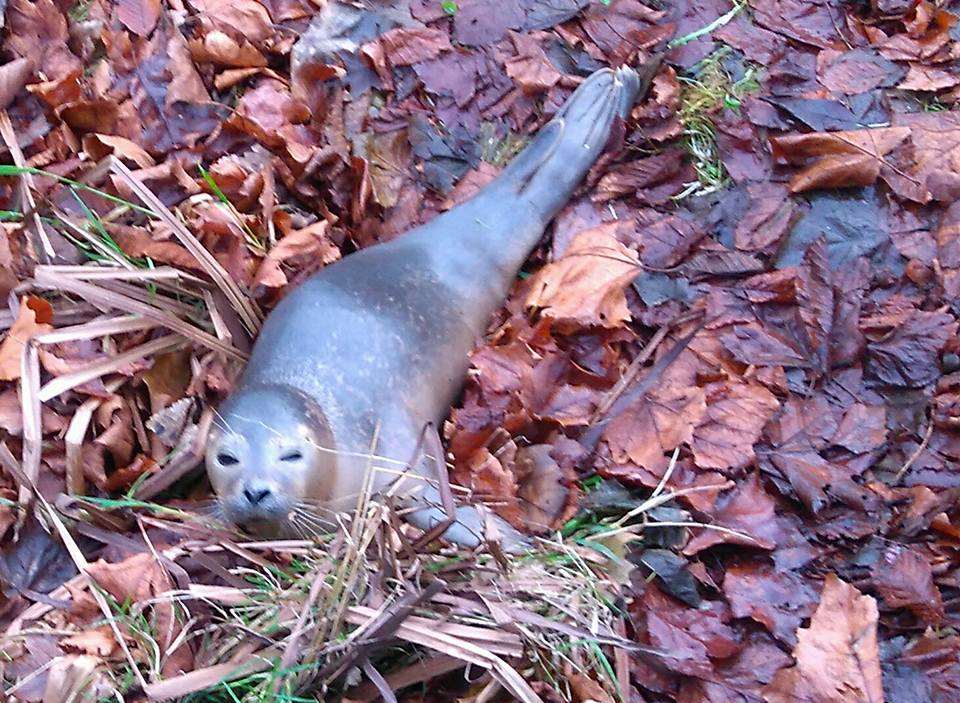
point(916, 453)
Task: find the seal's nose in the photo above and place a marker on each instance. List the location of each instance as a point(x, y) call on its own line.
point(256, 493)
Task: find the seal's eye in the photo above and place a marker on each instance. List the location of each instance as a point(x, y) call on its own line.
point(227, 459)
point(295, 455)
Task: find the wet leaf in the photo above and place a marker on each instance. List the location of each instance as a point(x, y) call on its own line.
point(748, 512)
point(735, 415)
point(904, 579)
point(778, 600)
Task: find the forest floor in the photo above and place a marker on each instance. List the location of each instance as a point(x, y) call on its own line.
point(766, 514)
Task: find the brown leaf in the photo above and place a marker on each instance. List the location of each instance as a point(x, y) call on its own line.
point(99, 641)
point(99, 146)
point(655, 178)
point(767, 219)
point(587, 286)
point(490, 480)
point(659, 423)
point(904, 579)
point(135, 242)
point(928, 78)
point(247, 17)
point(665, 241)
point(312, 240)
point(547, 491)
point(935, 154)
point(388, 157)
point(863, 428)
point(270, 114)
point(139, 16)
point(843, 159)
point(837, 656)
point(905, 343)
point(778, 600)
point(34, 318)
point(530, 68)
point(223, 50)
point(736, 413)
point(135, 579)
point(404, 47)
point(13, 77)
point(586, 690)
point(748, 509)
point(856, 71)
point(37, 30)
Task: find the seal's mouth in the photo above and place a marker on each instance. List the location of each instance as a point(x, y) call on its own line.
point(260, 527)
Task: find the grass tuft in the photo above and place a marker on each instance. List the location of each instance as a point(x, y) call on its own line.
point(706, 90)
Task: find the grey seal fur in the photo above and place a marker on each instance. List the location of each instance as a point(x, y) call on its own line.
point(359, 358)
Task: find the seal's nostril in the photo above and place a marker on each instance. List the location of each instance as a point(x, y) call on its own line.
point(256, 495)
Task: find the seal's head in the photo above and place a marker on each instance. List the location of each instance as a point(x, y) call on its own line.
point(269, 451)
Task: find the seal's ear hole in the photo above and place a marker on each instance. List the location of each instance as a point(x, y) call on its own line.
point(227, 459)
point(295, 455)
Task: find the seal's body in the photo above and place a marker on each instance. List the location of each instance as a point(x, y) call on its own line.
point(358, 359)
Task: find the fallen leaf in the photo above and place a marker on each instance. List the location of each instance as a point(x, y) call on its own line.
point(904, 350)
point(736, 413)
point(587, 286)
point(843, 159)
point(247, 17)
point(935, 154)
point(530, 68)
point(928, 78)
point(863, 428)
point(856, 71)
point(13, 77)
point(139, 16)
point(748, 511)
point(99, 146)
point(904, 579)
point(778, 600)
point(837, 656)
point(34, 318)
point(98, 642)
point(37, 30)
point(312, 241)
point(655, 425)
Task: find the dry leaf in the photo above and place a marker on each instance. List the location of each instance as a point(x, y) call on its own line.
point(312, 240)
point(34, 318)
point(139, 16)
point(586, 287)
point(837, 656)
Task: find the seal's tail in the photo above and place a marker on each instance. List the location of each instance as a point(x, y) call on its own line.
point(550, 168)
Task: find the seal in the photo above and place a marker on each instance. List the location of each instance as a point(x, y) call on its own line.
point(354, 363)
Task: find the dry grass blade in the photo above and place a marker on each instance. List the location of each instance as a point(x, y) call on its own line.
point(68, 381)
point(208, 677)
point(48, 278)
point(249, 315)
point(26, 187)
point(82, 565)
point(32, 426)
point(76, 483)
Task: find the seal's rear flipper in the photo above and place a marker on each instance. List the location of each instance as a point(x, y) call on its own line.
point(577, 137)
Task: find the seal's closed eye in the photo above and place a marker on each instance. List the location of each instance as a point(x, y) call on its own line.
point(295, 455)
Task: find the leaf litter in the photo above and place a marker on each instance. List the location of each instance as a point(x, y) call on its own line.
point(724, 396)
